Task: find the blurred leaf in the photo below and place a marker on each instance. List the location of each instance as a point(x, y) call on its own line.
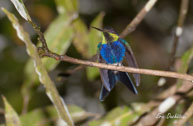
point(120, 116)
point(77, 113)
point(30, 78)
point(92, 73)
point(11, 117)
point(29, 71)
point(94, 35)
point(67, 6)
point(40, 70)
point(58, 37)
point(58, 42)
point(39, 116)
point(185, 61)
point(186, 58)
point(94, 38)
point(19, 5)
point(81, 37)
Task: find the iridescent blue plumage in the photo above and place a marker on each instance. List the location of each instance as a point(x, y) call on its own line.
point(112, 50)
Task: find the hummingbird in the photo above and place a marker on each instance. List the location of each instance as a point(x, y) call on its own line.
point(113, 50)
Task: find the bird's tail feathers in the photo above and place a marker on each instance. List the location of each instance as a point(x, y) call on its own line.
point(115, 76)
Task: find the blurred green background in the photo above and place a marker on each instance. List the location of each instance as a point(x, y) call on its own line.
point(151, 43)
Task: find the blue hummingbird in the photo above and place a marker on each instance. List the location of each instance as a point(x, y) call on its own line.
point(113, 50)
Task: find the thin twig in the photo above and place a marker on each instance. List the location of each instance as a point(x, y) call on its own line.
point(179, 29)
point(132, 26)
point(186, 116)
point(79, 67)
point(74, 70)
point(119, 68)
point(41, 36)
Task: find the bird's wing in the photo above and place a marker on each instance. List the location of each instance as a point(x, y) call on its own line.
point(103, 72)
point(130, 58)
point(104, 75)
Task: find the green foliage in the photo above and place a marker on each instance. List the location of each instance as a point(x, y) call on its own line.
point(40, 116)
point(94, 35)
point(186, 58)
point(58, 37)
point(185, 61)
point(11, 117)
point(80, 39)
point(67, 6)
point(120, 116)
point(40, 70)
point(21, 9)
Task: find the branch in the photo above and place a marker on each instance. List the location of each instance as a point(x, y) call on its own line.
point(179, 29)
point(132, 26)
point(118, 68)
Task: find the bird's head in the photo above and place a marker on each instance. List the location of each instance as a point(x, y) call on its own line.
point(109, 35)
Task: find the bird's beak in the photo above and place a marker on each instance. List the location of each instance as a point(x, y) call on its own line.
point(105, 34)
point(98, 29)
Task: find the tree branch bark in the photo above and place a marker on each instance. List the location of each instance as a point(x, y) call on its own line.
point(140, 16)
point(179, 29)
point(118, 68)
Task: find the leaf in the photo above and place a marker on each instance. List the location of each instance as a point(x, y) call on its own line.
point(77, 113)
point(67, 6)
point(94, 35)
point(19, 5)
point(92, 73)
point(58, 42)
point(11, 117)
point(186, 58)
point(38, 116)
point(29, 70)
point(120, 116)
point(94, 38)
point(81, 37)
point(40, 70)
point(58, 37)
